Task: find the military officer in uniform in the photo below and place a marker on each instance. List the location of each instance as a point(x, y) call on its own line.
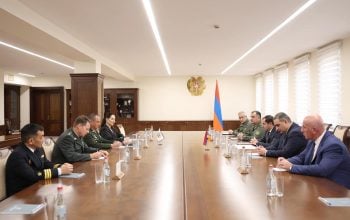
point(243, 127)
point(28, 164)
point(94, 139)
point(255, 130)
point(70, 146)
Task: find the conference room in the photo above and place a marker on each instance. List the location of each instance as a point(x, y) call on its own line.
point(159, 64)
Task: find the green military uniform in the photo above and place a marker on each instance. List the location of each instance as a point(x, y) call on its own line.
point(243, 128)
point(71, 148)
point(254, 131)
point(94, 139)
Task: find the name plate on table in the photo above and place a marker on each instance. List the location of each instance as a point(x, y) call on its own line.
point(118, 171)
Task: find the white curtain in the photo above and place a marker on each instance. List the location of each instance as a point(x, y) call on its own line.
point(302, 88)
point(269, 92)
point(258, 92)
point(282, 86)
point(329, 83)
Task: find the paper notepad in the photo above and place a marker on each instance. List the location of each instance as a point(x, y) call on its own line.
point(73, 175)
point(101, 158)
point(23, 209)
point(344, 202)
point(246, 146)
point(279, 169)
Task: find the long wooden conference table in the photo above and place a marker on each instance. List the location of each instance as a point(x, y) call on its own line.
point(181, 180)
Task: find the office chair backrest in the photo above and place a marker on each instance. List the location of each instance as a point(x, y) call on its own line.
point(48, 145)
point(341, 132)
point(327, 126)
point(121, 129)
point(4, 154)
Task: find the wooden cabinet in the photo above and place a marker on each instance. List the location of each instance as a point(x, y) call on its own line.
point(12, 107)
point(124, 104)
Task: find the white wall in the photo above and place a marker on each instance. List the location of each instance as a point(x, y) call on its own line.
point(167, 98)
point(51, 82)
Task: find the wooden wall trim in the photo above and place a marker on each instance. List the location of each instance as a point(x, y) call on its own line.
point(177, 125)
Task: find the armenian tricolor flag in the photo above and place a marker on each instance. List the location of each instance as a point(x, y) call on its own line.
point(218, 125)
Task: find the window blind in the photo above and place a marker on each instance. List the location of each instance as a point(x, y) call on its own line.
point(258, 92)
point(329, 83)
point(302, 88)
point(282, 86)
point(268, 92)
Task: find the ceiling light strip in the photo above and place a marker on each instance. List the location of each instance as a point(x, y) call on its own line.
point(153, 23)
point(35, 54)
point(274, 31)
point(27, 75)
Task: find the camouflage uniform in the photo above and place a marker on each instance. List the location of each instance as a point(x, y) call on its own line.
point(243, 128)
point(94, 139)
point(254, 131)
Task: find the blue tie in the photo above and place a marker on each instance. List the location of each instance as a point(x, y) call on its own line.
point(312, 160)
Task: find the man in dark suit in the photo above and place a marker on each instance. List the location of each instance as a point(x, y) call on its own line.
point(27, 164)
point(94, 139)
point(70, 146)
point(325, 155)
point(292, 141)
point(271, 137)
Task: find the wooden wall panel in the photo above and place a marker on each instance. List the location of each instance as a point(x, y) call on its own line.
point(2, 130)
point(85, 89)
point(177, 125)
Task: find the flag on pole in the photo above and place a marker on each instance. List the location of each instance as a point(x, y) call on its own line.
point(205, 140)
point(217, 122)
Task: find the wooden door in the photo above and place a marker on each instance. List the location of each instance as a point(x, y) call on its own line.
point(46, 108)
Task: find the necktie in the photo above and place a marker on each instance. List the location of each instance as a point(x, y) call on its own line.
point(313, 152)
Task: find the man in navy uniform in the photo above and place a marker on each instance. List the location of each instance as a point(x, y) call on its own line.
point(70, 146)
point(325, 155)
point(28, 164)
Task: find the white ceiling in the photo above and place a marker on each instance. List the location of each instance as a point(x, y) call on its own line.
point(119, 31)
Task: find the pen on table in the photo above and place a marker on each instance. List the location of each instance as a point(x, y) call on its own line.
point(325, 201)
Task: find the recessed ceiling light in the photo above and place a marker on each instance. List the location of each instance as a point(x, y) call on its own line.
point(153, 23)
point(274, 31)
point(35, 54)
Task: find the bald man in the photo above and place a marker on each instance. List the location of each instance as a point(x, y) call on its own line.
point(324, 156)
